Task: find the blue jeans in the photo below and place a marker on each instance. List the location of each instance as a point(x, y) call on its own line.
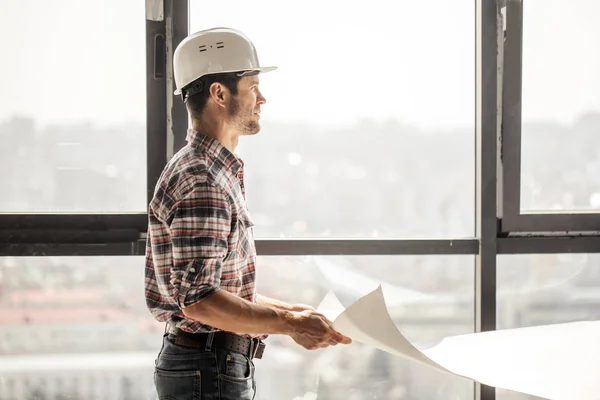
point(183, 373)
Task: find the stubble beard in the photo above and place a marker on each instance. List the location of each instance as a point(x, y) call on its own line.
point(243, 123)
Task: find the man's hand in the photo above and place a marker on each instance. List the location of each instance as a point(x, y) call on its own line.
point(301, 307)
point(309, 328)
point(313, 330)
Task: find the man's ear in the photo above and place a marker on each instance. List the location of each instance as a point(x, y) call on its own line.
point(218, 93)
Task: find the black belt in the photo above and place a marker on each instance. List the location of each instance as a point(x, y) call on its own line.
point(252, 348)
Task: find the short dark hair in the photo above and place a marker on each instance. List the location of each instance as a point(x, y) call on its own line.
point(196, 94)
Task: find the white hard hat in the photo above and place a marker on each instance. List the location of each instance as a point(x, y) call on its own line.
point(214, 51)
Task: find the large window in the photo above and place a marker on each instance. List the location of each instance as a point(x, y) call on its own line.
point(550, 115)
point(72, 109)
point(561, 106)
point(77, 327)
point(382, 146)
point(369, 123)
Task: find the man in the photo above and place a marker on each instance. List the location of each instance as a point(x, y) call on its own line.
point(200, 257)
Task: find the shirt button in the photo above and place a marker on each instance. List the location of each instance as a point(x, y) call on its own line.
point(192, 269)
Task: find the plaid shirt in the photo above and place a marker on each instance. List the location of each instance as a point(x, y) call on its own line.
point(200, 234)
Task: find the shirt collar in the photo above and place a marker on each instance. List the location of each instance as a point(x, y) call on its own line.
point(215, 149)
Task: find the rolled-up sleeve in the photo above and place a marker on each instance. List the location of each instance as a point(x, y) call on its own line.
point(199, 235)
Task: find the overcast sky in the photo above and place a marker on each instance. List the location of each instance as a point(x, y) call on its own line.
point(76, 60)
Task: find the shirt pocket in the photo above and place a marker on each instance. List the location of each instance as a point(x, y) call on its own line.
point(245, 233)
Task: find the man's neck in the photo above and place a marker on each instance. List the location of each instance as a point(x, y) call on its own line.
point(218, 131)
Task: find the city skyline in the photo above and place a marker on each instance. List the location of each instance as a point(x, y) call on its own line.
point(94, 68)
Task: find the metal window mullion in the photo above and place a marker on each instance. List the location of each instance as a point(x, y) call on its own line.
point(489, 38)
point(362, 247)
point(133, 248)
point(46, 222)
point(265, 247)
point(553, 222)
point(316, 247)
point(156, 106)
point(549, 245)
point(511, 114)
point(177, 28)
point(177, 25)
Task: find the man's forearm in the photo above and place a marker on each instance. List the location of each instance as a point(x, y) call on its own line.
point(227, 312)
point(269, 302)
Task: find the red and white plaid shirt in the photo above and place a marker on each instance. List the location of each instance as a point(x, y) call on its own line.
point(200, 234)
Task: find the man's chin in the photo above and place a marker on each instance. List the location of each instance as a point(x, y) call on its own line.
point(252, 130)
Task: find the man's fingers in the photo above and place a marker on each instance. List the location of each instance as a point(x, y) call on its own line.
point(346, 340)
point(342, 338)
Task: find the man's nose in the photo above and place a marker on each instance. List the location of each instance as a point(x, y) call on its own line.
point(261, 99)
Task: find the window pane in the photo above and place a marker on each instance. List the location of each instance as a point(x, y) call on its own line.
point(66, 323)
point(542, 289)
point(77, 328)
point(368, 128)
point(357, 372)
point(561, 106)
point(73, 109)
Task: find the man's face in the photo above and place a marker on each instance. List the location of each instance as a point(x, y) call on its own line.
point(244, 109)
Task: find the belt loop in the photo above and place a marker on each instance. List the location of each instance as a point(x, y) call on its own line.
point(209, 341)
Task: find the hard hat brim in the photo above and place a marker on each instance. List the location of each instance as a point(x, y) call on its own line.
point(261, 70)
